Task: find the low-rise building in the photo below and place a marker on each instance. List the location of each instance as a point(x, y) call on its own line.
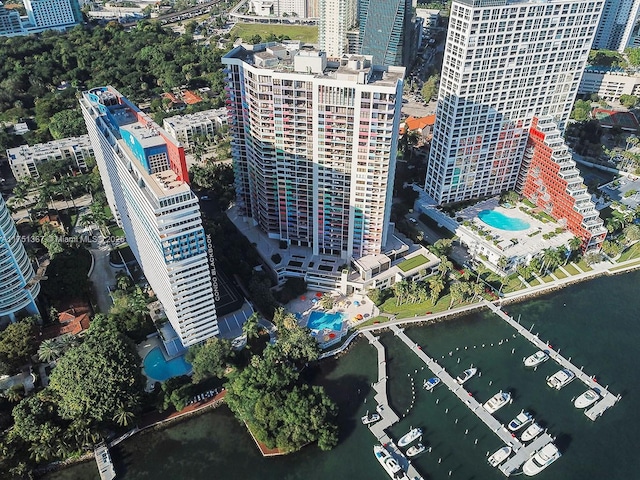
point(185, 128)
point(609, 84)
point(10, 22)
point(24, 160)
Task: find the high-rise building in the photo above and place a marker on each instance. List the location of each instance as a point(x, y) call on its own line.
point(193, 127)
point(618, 27)
point(337, 19)
point(52, 14)
point(144, 174)
point(19, 285)
point(505, 62)
point(314, 146)
point(10, 22)
point(389, 31)
point(551, 180)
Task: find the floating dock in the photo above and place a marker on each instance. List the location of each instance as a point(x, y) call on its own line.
point(607, 399)
point(388, 416)
point(105, 465)
point(523, 453)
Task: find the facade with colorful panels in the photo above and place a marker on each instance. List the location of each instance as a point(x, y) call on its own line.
point(145, 177)
point(550, 179)
point(314, 146)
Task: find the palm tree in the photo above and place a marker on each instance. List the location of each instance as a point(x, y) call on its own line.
point(575, 244)
point(65, 342)
point(631, 234)
point(15, 394)
point(123, 416)
point(251, 327)
point(457, 292)
point(436, 285)
point(49, 350)
point(445, 266)
point(503, 262)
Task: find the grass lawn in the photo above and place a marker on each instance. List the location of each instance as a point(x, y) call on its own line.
point(571, 269)
point(116, 231)
point(407, 310)
point(534, 283)
point(371, 321)
point(622, 267)
point(294, 32)
point(560, 274)
point(413, 263)
point(632, 252)
point(583, 266)
point(547, 279)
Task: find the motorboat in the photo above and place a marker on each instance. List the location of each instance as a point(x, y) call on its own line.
point(389, 463)
point(409, 437)
point(370, 418)
point(536, 359)
point(431, 383)
point(541, 460)
point(587, 399)
point(531, 432)
point(521, 420)
point(499, 456)
point(466, 375)
point(561, 378)
point(415, 450)
point(496, 402)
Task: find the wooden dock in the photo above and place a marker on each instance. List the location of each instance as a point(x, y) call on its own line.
point(522, 452)
point(388, 416)
point(607, 399)
point(103, 459)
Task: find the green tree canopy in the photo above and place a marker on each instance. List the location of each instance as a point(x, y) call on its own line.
point(210, 358)
point(100, 376)
point(430, 87)
point(581, 110)
point(18, 343)
point(67, 123)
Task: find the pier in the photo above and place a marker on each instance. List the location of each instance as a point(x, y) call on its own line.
point(105, 465)
point(388, 416)
point(607, 399)
point(523, 453)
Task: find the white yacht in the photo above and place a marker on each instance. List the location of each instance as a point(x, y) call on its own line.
point(409, 437)
point(466, 375)
point(389, 463)
point(370, 418)
point(531, 432)
point(536, 359)
point(496, 402)
point(521, 420)
point(431, 383)
point(587, 399)
point(541, 460)
point(499, 456)
point(415, 450)
point(561, 378)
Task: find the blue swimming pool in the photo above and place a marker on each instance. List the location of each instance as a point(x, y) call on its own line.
point(157, 368)
point(320, 320)
point(502, 222)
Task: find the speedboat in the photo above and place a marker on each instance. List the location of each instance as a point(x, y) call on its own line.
point(370, 418)
point(499, 456)
point(466, 375)
point(410, 437)
point(587, 399)
point(431, 383)
point(415, 450)
point(521, 420)
point(541, 460)
point(560, 378)
point(496, 402)
point(536, 359)
point(531, 432)
point(389, 463)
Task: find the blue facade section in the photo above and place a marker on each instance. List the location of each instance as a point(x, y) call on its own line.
point(385, 29)
point(186, 246)
point(141, 153)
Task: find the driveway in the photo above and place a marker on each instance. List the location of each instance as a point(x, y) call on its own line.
point(102, 275)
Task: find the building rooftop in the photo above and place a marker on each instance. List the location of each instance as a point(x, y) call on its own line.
point(179, 121)
point(39, 150)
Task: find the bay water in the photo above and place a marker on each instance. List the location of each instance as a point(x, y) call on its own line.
point(596, 323)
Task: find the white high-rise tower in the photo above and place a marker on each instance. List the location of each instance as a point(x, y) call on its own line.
point(505, 62)
point(337, 19)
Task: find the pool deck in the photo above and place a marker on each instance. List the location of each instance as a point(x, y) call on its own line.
point(529, 241)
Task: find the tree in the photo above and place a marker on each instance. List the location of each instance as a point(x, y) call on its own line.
point(326, 301)
point(436, 287)
point(210, 358)
point(251, 327)
point(51, 241)
point(631, 234)
point(444, 267)
point(18, 343)
point(575, 244)
point(67, 123)
point(123, 416)
point(49, 350)
point(628, 101)
point(430, 87)
point(581, 110)
point(97, 378)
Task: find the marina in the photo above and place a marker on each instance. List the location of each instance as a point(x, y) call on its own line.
point(607, 399)
point(523, 453)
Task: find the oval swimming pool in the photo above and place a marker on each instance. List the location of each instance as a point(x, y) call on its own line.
point(157, 368)
point(502, 222)
point(320, 320)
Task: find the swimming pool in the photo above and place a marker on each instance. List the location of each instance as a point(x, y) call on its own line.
point(321, 320)
point(502, 222)
point(157, 368)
